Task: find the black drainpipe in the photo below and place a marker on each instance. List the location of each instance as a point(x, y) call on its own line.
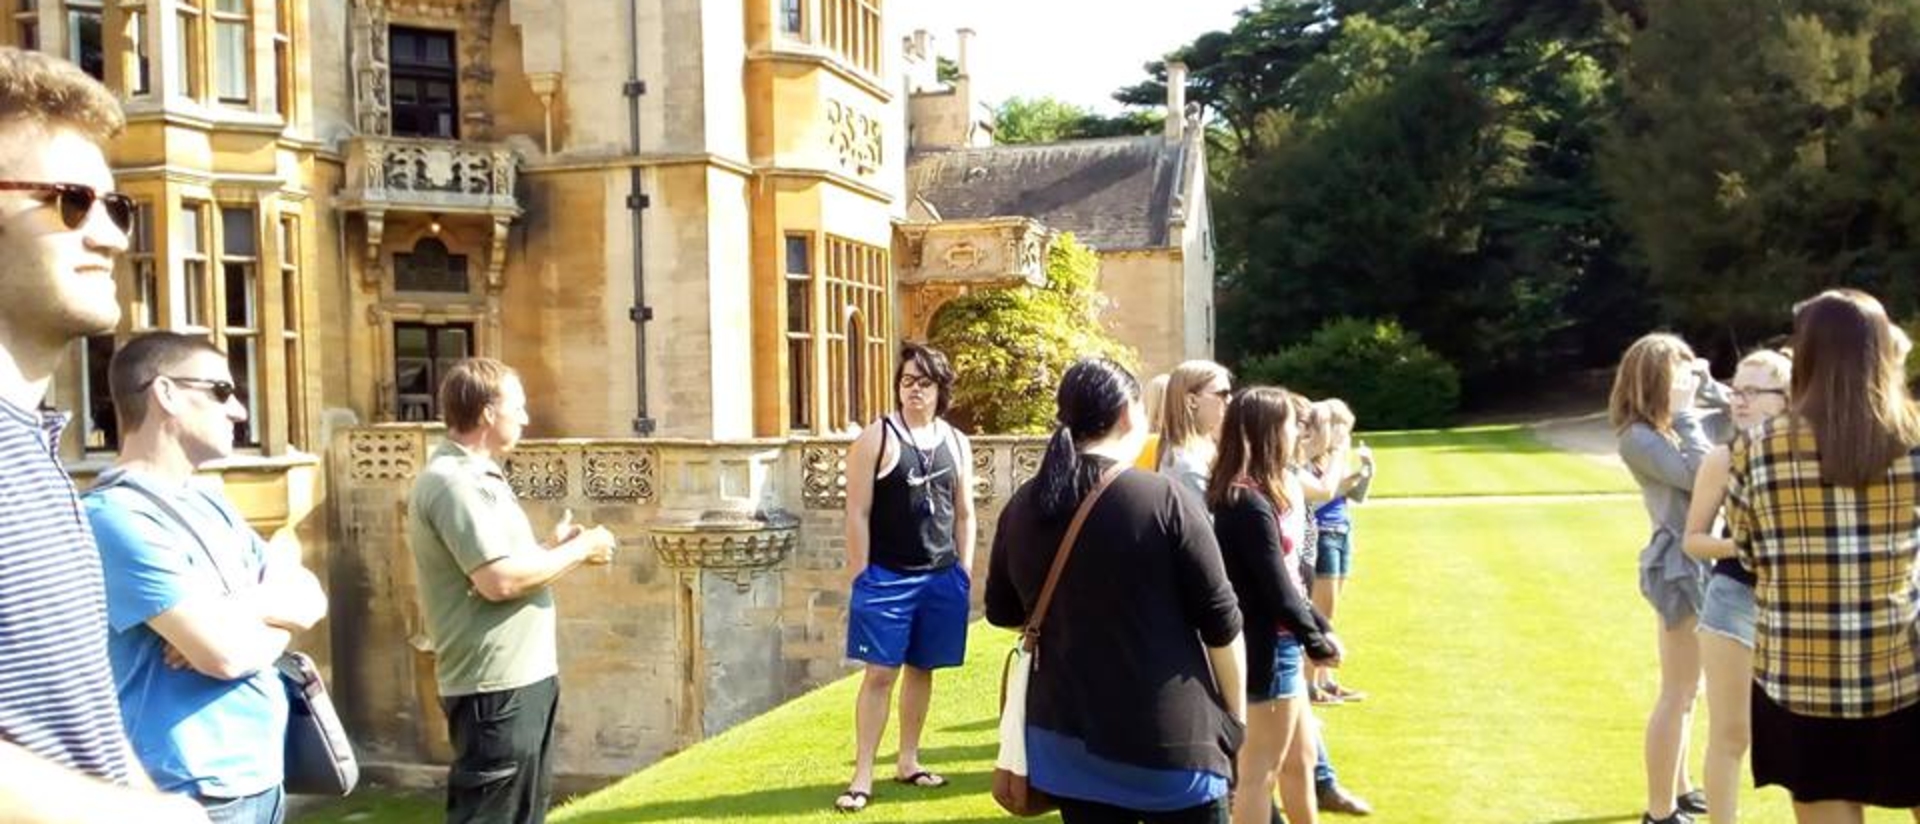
point(637, 204)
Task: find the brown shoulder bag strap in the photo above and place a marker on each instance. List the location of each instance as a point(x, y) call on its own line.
point(1030, 635)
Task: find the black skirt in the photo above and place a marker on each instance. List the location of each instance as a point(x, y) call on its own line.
point(1873, 761)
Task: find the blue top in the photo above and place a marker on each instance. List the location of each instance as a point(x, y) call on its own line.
point(56, 688)
point(195, 734)
point(1062, 766)
point(1332, 516)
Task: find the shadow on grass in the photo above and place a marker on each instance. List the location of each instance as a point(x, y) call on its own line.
point(981, 725)
point(781, 804)
point(959, 752)
point(1598, 819)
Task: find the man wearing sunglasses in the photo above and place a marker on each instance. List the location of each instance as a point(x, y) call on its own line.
point(199, 605)
point(63, 754)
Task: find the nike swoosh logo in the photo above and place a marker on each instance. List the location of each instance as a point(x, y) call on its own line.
point(917, 480)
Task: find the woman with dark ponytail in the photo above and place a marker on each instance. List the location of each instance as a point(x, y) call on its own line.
point(1129, 717)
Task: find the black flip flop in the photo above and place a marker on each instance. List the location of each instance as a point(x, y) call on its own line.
point(852, 801)
point(924, 779)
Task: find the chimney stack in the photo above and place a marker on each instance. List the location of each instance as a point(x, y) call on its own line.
point(964, 36)
point(1176, 102)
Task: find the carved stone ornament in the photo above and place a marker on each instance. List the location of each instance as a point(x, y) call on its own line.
point(823, 476)
point(1026, 463)
point(855, 137)
point(385, 455)
point(962, 256)
point(537, 473)
point(982, 475)
point(726, 543)
point(621, 473)
point(372, 73)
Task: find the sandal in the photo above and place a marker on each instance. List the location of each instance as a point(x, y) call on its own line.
point(924, 779)
point(1345, 694)
point(852, 801)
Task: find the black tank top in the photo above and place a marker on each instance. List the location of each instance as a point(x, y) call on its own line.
point(910, 528)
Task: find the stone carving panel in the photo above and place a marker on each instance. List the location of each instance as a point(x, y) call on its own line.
point(855, 137)
point(621, 473)
point(823, 482)
point(538, 472)
point(376, 455)
point(1026, 463)
point(372, 84)
point(983, 465)
point(456, 168)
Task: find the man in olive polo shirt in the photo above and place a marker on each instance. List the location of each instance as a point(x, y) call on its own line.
point(485, 587)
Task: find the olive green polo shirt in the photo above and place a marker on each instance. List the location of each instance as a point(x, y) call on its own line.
point(462, 516)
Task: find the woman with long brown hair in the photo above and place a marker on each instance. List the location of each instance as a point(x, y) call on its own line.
point(1260, 522)
point(1663, 441)
point(1825, 509)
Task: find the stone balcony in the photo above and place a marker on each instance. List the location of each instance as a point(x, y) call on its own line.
point(425, 175)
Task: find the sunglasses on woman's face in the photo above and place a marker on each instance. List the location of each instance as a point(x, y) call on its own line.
point(76, 202)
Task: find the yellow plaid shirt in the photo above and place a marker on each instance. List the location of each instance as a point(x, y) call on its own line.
point(1836, 588)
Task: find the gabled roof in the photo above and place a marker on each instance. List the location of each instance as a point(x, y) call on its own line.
point(1111, 193)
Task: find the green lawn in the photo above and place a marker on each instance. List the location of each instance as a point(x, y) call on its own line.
point(1491, 460)
point(1509, 656)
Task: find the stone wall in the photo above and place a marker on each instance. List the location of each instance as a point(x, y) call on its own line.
point(728, 595)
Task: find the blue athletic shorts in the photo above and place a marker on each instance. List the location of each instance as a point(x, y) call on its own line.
point(913, 618)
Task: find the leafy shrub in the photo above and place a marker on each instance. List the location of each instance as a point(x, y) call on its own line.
point(1391, 380)
point(1009, 346)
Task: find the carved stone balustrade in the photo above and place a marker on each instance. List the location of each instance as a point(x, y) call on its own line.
point(439, 177)
point(423, 175)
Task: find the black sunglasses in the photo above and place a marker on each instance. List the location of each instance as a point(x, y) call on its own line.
point(76, 202)
point(221, 391)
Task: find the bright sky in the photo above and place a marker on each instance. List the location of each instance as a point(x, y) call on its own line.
point(1079, 51)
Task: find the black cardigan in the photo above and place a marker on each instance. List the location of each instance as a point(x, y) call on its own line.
point(1249, 538)
point(1120, 667)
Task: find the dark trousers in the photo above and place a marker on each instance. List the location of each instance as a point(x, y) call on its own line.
point(1074, 811)
point(502, 754)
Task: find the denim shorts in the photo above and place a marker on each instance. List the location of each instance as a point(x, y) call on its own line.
point(1336, 555)
point(1289, 671)
point(1729, 610)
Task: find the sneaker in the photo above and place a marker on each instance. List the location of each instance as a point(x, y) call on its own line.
point(1678, 817)
point(1335, 799)
point(1692, 802)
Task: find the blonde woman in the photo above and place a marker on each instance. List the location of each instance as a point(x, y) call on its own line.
point(1191, 412)
point(1333, 558)
point(1153, 395)
point(1663, 441)
point(1726, 619)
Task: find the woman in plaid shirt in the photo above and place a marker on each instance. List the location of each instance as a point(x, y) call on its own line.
point(1825, 509)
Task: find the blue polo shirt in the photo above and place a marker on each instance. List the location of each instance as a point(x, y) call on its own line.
point(194, 734)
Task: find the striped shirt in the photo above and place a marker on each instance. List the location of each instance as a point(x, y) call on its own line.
point(56, 687)
point(1834, 576)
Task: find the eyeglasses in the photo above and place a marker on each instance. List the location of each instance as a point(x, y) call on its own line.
point(221, 391)
point(917, 382)
point(1222, 394)
point(1751, 395)
point(76, 202)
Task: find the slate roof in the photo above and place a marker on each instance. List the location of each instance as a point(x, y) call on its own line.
point(1111, 193)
